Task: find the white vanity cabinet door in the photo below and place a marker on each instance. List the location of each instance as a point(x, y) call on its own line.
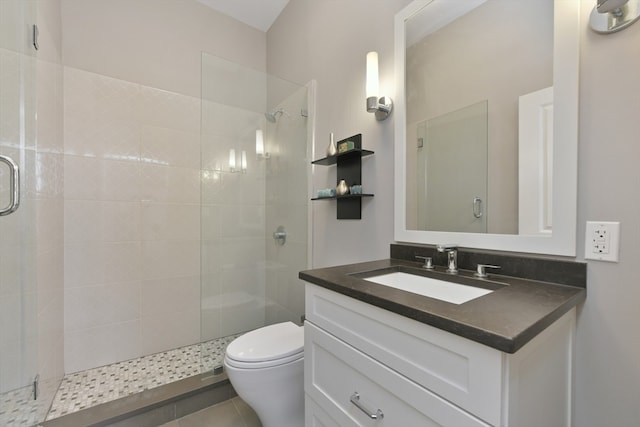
point(335, 371)
point(463, 372)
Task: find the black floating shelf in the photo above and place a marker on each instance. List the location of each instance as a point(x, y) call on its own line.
point(346, 196)
point(332, 160)
point(349, 169)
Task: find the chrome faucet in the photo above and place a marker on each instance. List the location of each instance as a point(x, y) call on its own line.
point(452, 257)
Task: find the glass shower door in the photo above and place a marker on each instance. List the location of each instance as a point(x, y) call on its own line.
point(255, 168)
point(18, 296)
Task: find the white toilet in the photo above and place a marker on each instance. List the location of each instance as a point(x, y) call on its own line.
point(266, 369)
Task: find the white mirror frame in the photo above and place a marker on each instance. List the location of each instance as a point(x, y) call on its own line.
point(566, 55)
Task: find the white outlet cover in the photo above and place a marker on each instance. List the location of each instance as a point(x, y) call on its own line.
point(602, 241)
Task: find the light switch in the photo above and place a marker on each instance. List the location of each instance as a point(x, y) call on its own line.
point(602, 241)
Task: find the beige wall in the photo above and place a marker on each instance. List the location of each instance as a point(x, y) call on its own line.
point(443, 81)
point(327, 41)
point(154, 43)
point(608, 341)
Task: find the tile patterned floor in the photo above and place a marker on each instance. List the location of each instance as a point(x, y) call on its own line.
point(232, 413)
point(95, 386)
point(17, 408)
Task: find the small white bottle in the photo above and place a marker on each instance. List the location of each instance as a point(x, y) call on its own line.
point(332, 149)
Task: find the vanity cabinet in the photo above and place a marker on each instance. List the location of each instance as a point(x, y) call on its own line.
point(348, 168)
point(365, 366)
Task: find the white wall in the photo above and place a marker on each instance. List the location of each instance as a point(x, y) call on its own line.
point(328, 40)
point(132, 219)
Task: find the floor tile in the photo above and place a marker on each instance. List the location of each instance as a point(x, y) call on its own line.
point(223, 414)
point(246, 412)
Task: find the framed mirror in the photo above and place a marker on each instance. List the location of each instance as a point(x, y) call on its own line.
point(486, 124)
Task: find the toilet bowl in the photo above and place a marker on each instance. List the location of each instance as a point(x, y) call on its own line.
point(266, 368)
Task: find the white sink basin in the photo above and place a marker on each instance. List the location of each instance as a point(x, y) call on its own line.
point(428, 287)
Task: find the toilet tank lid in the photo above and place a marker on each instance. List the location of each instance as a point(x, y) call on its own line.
point(268, 343)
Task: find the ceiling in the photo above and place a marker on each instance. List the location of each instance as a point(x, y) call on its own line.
point(259, 14)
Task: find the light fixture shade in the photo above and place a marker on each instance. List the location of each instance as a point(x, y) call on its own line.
point(232, 159)
point(259, 142)
point(372, 88)
point(243, 161)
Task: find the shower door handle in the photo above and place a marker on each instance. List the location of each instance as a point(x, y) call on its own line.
point(14, 186)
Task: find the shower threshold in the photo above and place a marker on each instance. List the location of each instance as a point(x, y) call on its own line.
point(124, 388)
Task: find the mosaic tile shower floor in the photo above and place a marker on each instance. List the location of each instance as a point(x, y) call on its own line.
point(100, 385)
point(92, 387)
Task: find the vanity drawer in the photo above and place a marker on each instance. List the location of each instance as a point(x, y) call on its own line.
point(315, 416)
point(337, 371)
point(459, 370)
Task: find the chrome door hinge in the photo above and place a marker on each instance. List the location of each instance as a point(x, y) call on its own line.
point(35, 34)
point(36, 383)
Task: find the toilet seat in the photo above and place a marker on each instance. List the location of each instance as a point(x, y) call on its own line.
point(266, 347)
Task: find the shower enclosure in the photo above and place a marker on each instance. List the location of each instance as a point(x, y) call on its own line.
point(30, 222)
point(255, 145)
point(70, 298)
point(18, 326)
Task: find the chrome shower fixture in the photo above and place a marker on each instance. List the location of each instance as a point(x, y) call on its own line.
point(272, 117)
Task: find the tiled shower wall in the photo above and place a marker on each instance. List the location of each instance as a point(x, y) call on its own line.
point(287, 202)
point(233, 223)
point(131, 220)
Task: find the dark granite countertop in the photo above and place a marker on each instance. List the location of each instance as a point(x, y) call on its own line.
point(505, 319)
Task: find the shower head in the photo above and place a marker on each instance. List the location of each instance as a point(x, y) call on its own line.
point(272, 117)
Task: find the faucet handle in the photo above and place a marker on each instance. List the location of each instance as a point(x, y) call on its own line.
point(428, 262)
point(480, 272)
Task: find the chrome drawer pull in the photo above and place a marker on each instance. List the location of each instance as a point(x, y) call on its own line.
point(355, 399)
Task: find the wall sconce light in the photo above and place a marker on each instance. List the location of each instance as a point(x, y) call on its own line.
point(232, 160)
point(243, 161)
point(381, 106)
point(609, 16)
point(260, 145)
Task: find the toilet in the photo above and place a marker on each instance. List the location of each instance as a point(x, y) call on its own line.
point(266, 368)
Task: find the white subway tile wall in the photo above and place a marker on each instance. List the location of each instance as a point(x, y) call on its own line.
point(132, 220)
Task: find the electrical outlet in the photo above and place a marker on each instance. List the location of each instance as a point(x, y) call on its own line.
point(602, 241)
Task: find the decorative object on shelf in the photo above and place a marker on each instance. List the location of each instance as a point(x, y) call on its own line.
point(609, 16)
point(380, 106)
point(346, 146)
point(326, 192)
point(332, 150)
point(355, 189)
point(342, 188)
